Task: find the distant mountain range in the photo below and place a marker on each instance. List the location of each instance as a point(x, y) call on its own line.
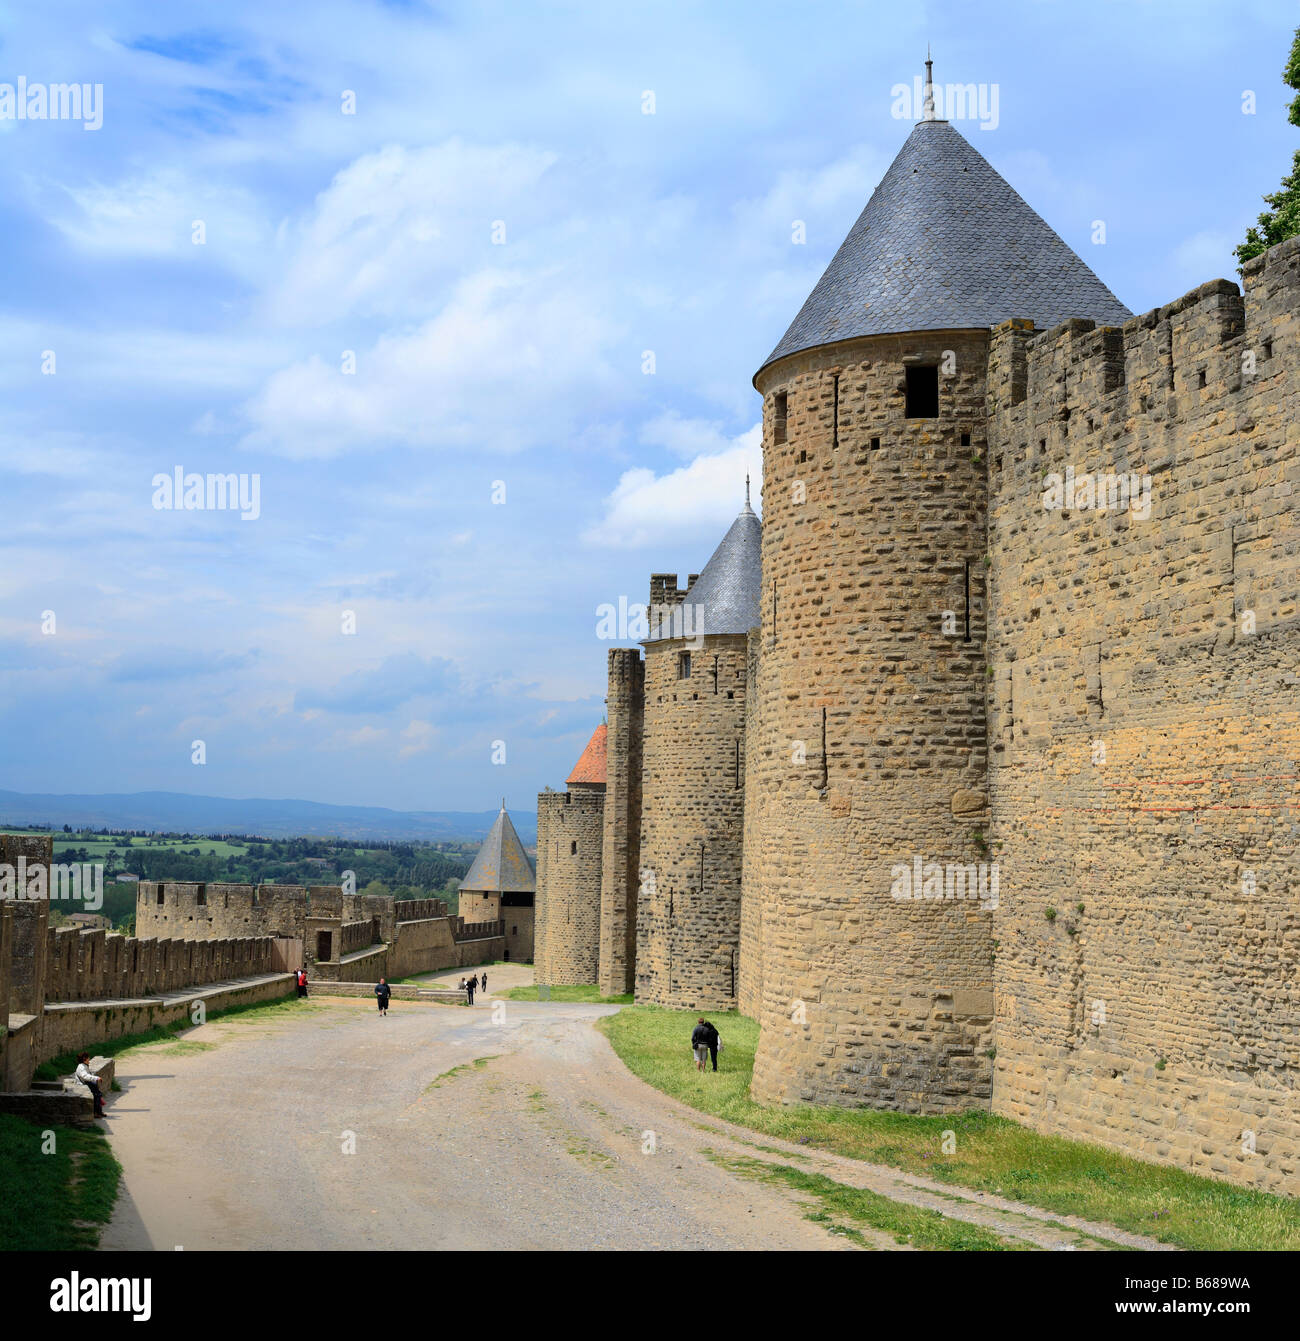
point(176, 812)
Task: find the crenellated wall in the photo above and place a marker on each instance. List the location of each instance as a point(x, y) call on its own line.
point(1145, 729)
point(101, 965)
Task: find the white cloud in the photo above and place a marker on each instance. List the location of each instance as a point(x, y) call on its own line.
point(396, 225)
point(698, 499)
point(511, 362)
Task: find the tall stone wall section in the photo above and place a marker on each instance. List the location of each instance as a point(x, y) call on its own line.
point(749, 971)
point(693, 793)
point(1145, 731)
point(871, 714)
point(570, 851)
point(621, 849)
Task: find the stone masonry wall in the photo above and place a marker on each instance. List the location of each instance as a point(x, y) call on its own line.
point(570, 848)
point(871, 737)
point(101, 965)
point(1145, 731)
point(693, 794)
point(621, 855)
point(749, 969)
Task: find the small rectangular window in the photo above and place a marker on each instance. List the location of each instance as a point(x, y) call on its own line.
point(683, 665)
point(922, 392)
point(573, 849)
point(965, 439)
point(779, 402)
point(875, 444)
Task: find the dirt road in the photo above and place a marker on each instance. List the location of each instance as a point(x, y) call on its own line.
point(336, 1129)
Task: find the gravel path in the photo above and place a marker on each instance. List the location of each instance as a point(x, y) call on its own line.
point(552, 1143)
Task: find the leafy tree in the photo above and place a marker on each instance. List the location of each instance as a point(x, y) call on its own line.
point(1282, 219)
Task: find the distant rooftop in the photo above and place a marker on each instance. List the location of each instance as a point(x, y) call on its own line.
point(502, 864)
point(945, 243)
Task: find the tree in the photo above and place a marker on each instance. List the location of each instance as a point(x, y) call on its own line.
point(1282, 219)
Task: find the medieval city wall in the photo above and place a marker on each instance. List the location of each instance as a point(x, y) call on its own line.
point(621, 847)
point(693, 794)
point(871, 739)
point(101, 965)
point(570, 850)
point(1145, 730)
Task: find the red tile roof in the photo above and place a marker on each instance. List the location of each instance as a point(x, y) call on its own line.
point(591, 767)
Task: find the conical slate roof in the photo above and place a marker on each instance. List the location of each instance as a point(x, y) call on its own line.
point(590, 768)
point(945, 243)
point(725, 596)
point(501, 864)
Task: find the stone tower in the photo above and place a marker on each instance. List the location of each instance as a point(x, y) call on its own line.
point(868, 766)
point(501, 886)
point(693, 777)
point(570, 843)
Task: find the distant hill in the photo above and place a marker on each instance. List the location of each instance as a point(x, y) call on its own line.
point(176, 812)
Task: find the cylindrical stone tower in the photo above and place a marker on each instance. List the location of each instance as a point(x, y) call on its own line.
point(870, 892)
point(693, 780)
point(570, 842)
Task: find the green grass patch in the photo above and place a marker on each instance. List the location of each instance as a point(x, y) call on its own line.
point(56, 1201)
point(66, 1062)
point(993, 1154)
point(587, 993)
point(476, 1065)
point(915, 1226)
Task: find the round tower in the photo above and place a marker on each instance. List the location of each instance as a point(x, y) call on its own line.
point(570, 839)
point(693, 778)
point(871, 887)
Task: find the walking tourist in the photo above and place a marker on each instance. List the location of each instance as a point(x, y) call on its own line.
point(382, 993)
point(704, 1042)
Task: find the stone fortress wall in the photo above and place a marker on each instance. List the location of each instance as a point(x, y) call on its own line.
point(1145, 730)
point(1095, 711)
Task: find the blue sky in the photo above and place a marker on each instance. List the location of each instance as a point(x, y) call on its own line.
point(516, 358)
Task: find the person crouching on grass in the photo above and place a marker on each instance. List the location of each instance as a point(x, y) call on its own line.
point(91, 1081)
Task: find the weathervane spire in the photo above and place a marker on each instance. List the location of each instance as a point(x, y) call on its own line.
point(746, 488)
point(927, 113)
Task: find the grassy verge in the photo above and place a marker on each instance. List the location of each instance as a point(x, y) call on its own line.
point(58, 1200)
point(65, 1063)
point(585, 992)
point(917, 1226)
point(993, 1154)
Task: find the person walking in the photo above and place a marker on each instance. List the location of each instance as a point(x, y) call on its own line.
point(483, 981)
point(704, 1042)
point(382, 993)
point(302, 982)
point(91, 1081)
point(469, 988)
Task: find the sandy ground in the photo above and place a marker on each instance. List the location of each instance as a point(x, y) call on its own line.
point(338, 1129)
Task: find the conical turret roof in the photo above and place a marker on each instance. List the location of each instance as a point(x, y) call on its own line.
point(945, 243)
point(502, 864)
point(725, 596)
point(590, 768)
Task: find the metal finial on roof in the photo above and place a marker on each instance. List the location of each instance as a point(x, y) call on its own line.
point(746, 490)
point(927, 113)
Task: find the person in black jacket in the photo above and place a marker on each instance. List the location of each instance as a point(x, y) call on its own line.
point(704, 1041)
point(470, 985)
point(382, 993)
